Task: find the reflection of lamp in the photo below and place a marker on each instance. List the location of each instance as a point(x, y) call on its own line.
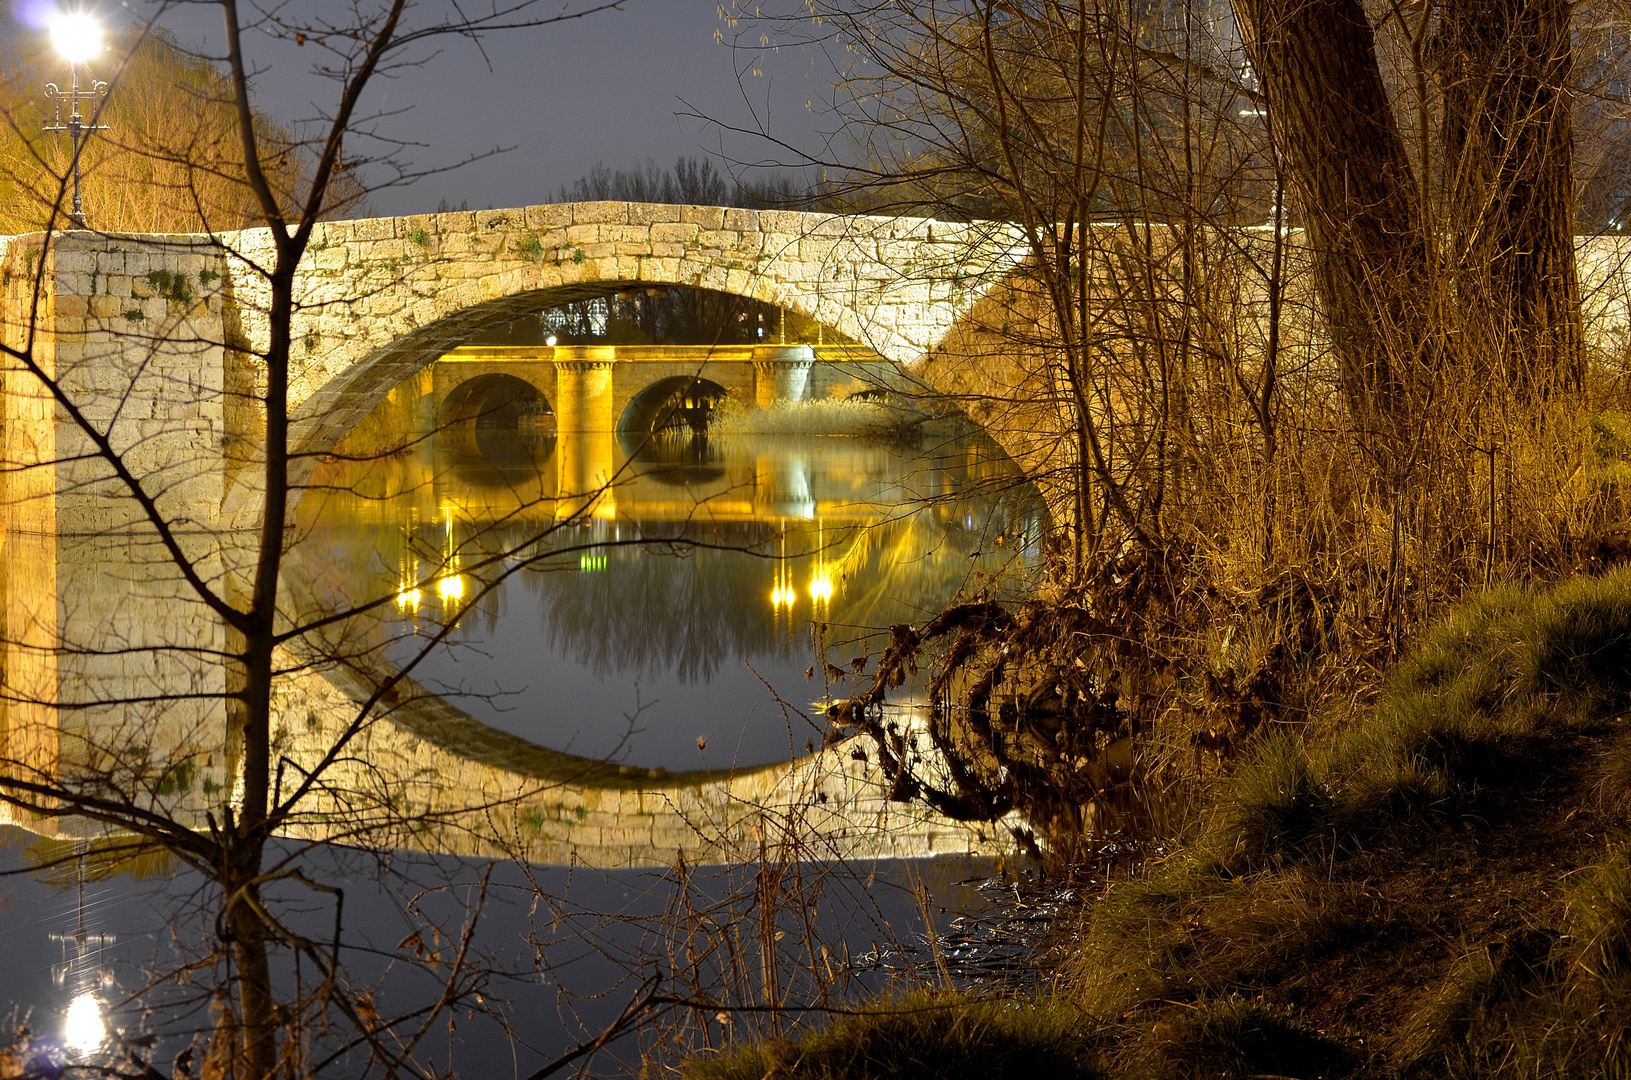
point(451, 585)
point(407, 576)
point(821, 581)
point(83, 1031)
point(783, 594)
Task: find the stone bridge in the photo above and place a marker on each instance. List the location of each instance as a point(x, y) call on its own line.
point(158, 336)
point(622, 387)
point(156, 340)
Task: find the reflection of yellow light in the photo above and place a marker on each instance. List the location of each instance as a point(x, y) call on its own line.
point(408, 599)
point(783, 595)
point(451, 587)
point(83, 1031)
point(821, 585)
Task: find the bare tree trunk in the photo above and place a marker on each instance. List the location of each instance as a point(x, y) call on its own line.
point(256, 1002)
point(1505, 68)
point(1334, 127)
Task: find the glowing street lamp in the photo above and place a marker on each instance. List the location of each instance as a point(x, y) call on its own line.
point(76, 37)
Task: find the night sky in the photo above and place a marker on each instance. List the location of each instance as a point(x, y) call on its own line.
point(613, 87)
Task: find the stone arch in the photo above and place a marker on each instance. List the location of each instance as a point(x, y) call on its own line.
point(494, 399)
point(430, 281)
point(681, 398)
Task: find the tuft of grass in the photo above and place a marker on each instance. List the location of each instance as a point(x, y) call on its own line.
point(1613, 781)
point(1463, 1018)
point(1600, 923)
point(1459, 720)
point(1273, 811)
point(1235, 1037)
point(927, 1037)
point(1538, 1003)
point(1187, 933)
point(1583, 639)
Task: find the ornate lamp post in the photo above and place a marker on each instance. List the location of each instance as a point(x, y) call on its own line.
point(77, 38)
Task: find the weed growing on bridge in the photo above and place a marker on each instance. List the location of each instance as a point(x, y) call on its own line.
point(168, 286)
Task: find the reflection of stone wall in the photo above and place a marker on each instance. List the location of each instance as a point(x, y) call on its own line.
point(115, 673)
point(112, 674)
point(479, 792)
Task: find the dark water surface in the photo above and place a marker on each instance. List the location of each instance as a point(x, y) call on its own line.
point(676, 609)
point(656, 623)
point(576, 944)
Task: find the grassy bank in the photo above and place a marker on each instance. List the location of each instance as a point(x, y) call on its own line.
point(1437, 886)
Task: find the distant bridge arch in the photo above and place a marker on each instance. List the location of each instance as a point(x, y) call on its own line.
point(493, 399)
point(675, 398)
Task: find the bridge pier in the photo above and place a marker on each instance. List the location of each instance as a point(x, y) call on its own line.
point(780, 373)
point(585, 426)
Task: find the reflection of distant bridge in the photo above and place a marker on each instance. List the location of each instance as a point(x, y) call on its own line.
point(606, 387)
point(740, 479)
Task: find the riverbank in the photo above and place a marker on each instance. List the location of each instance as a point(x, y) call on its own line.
point(1436, 885)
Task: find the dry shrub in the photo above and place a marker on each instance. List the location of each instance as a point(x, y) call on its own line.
point(864, 417)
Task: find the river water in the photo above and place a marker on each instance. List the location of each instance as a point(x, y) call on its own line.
point(689, 614)
point(687, 617)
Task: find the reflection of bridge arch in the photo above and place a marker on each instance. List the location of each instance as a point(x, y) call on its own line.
point(674, 402)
